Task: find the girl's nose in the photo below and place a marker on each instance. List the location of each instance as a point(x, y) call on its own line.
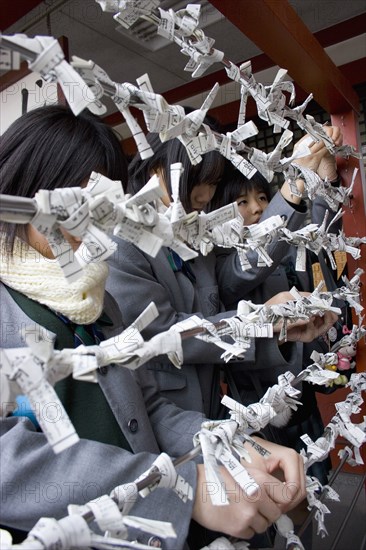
point(255, 207)
point(207, 194)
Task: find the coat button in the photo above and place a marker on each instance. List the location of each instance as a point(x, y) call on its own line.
point(155, 542)
point(103, 370)
point(133, 425)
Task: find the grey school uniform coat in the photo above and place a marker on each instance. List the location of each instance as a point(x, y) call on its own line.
point(264, 282)
point(35, 482)
point(251, 385)
point(136, 279)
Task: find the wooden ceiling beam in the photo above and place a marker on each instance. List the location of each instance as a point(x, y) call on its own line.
point(342, 31)
point(12, 11)
point(280, 33)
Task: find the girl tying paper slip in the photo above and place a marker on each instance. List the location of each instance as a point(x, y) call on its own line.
point(255, 204)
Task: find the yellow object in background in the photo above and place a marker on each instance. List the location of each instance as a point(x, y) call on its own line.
point(318, 276)
point(341, 261)
point(340, 257)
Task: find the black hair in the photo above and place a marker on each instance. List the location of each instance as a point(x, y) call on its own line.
point(50, 147)
point(235, 183)
point(209, 170)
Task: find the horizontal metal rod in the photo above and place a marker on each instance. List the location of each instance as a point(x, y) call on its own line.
point(25, 52)
point(17, 209)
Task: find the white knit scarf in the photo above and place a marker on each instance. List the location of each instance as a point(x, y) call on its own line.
point(42, 280)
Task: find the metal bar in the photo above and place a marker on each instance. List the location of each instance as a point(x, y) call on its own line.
point(17, 209)
point(6, 43)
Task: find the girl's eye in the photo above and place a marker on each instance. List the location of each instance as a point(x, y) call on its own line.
point(243, 201)
point(263, 198)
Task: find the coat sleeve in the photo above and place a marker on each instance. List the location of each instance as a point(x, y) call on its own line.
point(133, 284)
point(37, 483)
point(234, 283)
point(173, 427)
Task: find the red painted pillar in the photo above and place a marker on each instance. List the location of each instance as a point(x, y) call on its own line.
point(354, 225)
point(354, 218)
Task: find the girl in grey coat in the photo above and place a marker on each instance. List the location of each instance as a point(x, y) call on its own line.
point(254, 199)
point(201, 286)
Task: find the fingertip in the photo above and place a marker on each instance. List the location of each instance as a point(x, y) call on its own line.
point(291, 490)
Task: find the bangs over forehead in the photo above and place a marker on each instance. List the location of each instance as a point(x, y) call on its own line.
point(209, 170)
point(234, 185)
point(254, 184)
point(261, 185)
point(237, 184)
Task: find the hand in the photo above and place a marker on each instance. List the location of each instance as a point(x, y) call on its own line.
point(243, 516)
point(308, 331)
point(303, 330)
point(285, 464)
point(321, 160)
point(327, 166)
point(277, 493)
point(283, 297)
